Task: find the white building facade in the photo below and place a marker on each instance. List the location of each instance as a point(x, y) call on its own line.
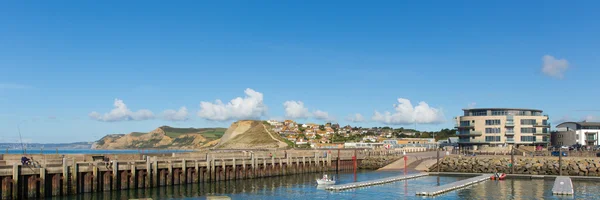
point(586, 133)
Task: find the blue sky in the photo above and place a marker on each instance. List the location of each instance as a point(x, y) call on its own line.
point(64, 64)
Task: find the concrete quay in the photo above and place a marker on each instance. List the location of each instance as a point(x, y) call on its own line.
point(452, 186)
point(374, 182)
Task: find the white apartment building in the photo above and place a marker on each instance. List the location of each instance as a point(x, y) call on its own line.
point(586, 133)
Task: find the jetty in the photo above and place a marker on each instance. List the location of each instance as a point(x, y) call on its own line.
point(64, 175)
point(562, 186)
point(374, 182)
point(452, 186)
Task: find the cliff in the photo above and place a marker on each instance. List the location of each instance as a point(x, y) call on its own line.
point(249, 134)
point(162, 137)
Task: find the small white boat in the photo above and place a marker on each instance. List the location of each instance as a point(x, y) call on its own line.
point(325, 180)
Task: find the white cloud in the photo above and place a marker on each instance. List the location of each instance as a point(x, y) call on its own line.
point(471, 105)
point(405, 113)
point(554, 67)
point(322, 115)
point(295, 110)
point(176, 115)
point(122, 113)
point(356, 118)
point(249, 107)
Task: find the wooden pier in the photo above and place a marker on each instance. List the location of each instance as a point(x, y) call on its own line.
point(70, 176)
point(374, 182)
point(452, 186)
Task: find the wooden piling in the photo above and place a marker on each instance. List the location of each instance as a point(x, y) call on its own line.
point(15, 181)
point(42, 182)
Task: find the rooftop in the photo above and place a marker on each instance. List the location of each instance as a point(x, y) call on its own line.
point(524, 109)
point(584, 123)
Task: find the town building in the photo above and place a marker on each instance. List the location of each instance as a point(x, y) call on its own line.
point(502, 126)
point(583, 133)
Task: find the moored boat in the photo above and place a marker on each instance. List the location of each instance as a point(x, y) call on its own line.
point(325, 180)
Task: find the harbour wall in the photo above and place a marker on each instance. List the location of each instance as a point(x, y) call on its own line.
point(56, 175)
point(519, 165)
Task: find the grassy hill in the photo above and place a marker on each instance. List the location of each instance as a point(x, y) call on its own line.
point(162, 137)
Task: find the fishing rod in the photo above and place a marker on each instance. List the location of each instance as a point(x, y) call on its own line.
point(21, 138)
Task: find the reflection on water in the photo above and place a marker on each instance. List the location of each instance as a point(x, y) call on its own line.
point(304, 187)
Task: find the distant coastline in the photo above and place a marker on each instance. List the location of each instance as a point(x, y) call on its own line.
point(46, 151)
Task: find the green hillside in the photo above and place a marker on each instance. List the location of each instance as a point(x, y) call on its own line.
point(208, 133)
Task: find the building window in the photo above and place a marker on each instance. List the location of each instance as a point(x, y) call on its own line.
point(527, 138)
point(591, 127)
point(492, 138)
point(492, 122)
point(527, 130)
point(528, 122)
point(499, 112)
point(479, 113)
point(492, 130)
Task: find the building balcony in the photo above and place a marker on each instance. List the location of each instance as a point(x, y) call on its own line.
point(541, 133)
point(472, 133)
point(591, 133)
point(472, 141)
point(464, 126)
point(542, 125)
point(510, 140)
point(590, 140)
point(509, 124)
point(509, 133)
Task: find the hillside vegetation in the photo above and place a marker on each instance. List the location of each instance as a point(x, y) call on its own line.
point(162, 137)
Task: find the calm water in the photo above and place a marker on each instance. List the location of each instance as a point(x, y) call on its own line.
point(88, 151)
point(304, 187)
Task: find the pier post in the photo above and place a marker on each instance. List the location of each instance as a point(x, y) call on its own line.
point(15, 181)
point(95, 178)
point(197, 170)
point(560, 161)
point(148, 173)
point(154, 171)
point(170, 174)
point(208, 170)
point(264, 168)
point(115, 174)
point(184, 171)
point(244, 172)
point(42, 182)
point(133, 178)
point(224, 170)
point(75, 181)
point(213, 172)
point(280, 167)
point(235, 174)
point(65, 183)
point(253, 166)
point(303, 162)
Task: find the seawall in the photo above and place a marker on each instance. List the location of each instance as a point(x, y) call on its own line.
point(520, 165)
point(76, 174)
